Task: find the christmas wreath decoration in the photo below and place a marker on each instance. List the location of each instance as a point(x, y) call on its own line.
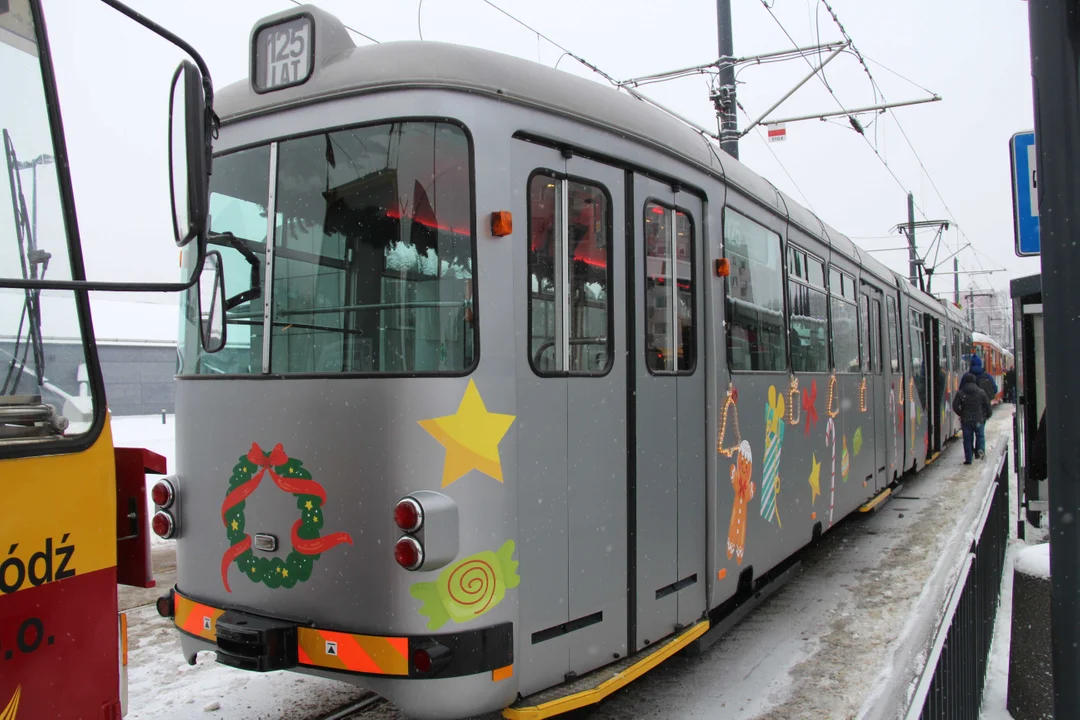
point(290, 475)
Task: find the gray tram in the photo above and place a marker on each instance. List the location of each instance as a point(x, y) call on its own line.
point(520, 380)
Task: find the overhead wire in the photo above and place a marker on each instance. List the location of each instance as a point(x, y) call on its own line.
point(350, 29)
point(840, 104)
point(778, 160)
point(878, 93)
point(580, 59)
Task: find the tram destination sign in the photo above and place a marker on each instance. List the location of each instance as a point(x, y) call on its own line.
point(284, 53)
point(1025, 186)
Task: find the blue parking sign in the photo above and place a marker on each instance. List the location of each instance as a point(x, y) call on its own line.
point(1025, 188)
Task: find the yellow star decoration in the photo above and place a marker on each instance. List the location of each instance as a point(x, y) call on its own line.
point(308, 504)
point(815, 478)
point(235, 525)
point(284, 573)
point(471, 437)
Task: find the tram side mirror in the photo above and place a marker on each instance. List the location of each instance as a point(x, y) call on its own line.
point(212, 303)
point(187, 153)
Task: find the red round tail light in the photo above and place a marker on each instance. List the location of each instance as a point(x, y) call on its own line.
point(421, 660)
point(162, 493)
point(408, 515)
point(408, 553)
point(163, 525)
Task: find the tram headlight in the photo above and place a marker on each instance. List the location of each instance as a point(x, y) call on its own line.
point(409, 553)
point(408, 515)
point(163, 525)
point(163, 494)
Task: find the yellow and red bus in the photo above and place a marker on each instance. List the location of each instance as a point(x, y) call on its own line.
point(73, 508)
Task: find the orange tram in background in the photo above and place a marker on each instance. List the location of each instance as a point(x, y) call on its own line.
point(996, 360)
point(73, 508)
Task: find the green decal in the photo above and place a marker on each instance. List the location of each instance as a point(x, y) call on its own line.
point(469, 587)
point(857, 441)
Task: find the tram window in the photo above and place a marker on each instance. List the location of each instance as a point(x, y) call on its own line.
point(918, 368)
point(755, 295)
point(569, 277)
point(239, 191)
point(958, 353)
point(865, 348)
point(373, 259)
point(894, 336)
point(669, 321)
point(845, 334)
point(809, 328)
point(875, 334)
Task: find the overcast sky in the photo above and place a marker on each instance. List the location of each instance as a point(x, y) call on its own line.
point(114, 86)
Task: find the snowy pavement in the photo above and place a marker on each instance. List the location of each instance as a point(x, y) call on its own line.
point(822, 646)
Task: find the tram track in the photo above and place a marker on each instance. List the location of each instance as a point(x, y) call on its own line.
point(352, 710)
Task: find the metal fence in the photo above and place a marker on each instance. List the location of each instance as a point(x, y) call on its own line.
point(961, 650)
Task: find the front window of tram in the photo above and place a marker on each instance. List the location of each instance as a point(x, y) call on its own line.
point(42, 353)
point(373, 254)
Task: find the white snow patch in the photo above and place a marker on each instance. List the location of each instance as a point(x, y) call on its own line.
point(996, 689)
point(161, 686)
point(1034, 560)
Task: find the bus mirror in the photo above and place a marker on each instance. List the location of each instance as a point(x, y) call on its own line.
point(187, 153)
point(212, 303)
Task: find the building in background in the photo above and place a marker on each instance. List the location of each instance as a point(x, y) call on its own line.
point(990, 312)
point(136, 346)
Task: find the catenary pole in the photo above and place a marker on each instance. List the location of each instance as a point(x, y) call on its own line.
point(1055, 54)
point(729, 122)
point(956, 281)
point(912, 274)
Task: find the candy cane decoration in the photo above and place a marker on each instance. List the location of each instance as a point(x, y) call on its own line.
point(830, 440)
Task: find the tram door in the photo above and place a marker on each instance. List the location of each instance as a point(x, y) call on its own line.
point(935, 372)
point(877, 397)
point(569, 230)
point(669, 411)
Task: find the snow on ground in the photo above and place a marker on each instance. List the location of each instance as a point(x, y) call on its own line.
point(996, 690)
point(162, 686)
point(1034, 560)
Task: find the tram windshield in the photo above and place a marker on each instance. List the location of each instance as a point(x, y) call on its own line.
point(372, 262)
point(43, 359)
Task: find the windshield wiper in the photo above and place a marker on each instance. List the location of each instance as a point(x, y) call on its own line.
point(241, 246)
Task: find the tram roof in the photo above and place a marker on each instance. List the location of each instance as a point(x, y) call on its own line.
point(342, 69)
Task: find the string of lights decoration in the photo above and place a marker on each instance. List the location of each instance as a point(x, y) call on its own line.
point(729, 404)
point(793, 402)
point(862, 395)
point(832, 394)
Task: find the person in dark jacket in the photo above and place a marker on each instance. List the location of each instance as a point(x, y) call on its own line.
point(987, 385)
point(973, 406)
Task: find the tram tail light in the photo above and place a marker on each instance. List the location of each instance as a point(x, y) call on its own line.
point(409, 553)
point(430, 658)
point(163, 494)
point(408, 515)
point(163, 524)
